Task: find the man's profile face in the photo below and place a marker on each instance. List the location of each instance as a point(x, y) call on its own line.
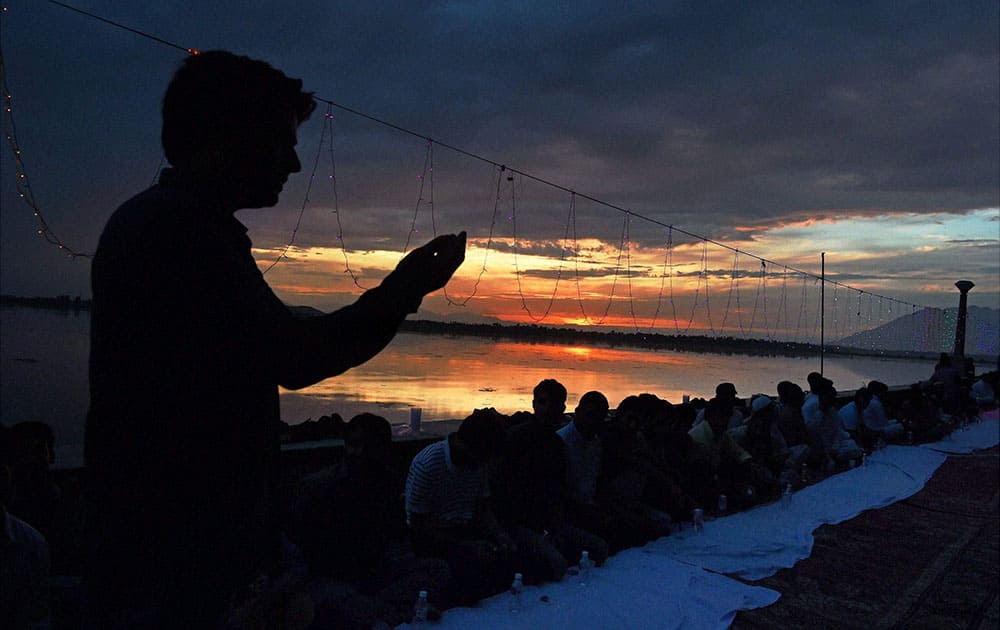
point(263, 163)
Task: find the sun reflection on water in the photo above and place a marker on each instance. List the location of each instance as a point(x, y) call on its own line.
point(448, 377)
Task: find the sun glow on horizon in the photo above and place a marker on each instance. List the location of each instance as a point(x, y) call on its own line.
point(596, 284)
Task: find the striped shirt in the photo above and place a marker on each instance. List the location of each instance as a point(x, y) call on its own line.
point(443, 491)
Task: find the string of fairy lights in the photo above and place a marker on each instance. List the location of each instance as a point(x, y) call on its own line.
point(505, 188)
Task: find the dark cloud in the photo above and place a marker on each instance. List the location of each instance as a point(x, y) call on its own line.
point(703, 115)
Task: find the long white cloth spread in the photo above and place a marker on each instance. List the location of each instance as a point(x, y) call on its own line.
point(675, 582)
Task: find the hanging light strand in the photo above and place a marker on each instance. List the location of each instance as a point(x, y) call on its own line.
point(24, 189)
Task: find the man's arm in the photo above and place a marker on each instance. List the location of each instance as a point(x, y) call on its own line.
point(487, 523)
point(313, 349)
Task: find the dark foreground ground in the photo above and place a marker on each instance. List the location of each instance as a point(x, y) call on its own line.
point(931, 561)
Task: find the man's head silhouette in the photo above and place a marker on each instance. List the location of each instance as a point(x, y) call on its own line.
point(230, 122)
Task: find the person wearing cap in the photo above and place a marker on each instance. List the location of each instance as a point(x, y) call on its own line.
point(725, 393)
point(790, 421)
point(719, 465)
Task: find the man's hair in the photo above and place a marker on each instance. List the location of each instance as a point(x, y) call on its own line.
point(878, 388)
point(552, 387)
point(791, 394)
point(217, 96)
point(482, 432)
point(594, 398)
point(815, 380)
point(368, 424)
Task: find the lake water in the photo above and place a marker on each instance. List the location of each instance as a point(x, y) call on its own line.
point(43, 375)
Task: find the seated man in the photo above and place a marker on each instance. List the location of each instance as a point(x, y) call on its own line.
point(629, 481)
point(984, 390)
point(790, 421)
point(852, 414)
point(37, 498)
point(725, 393)
point(449, 511)
point(663, 444)
point(922, 417)
point(719, 464)
point(584, 457)
point(531, 495)
point(810, 403)
point(946, 384)
point(832, 444)
point(852, 418)
point(775, 464)
point(349, 523)
point(875, 417)
point(24, 559)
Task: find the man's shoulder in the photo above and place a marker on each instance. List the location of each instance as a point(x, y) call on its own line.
point(738, 434)
point(528, 433)
point(566, 432)
point(432, 454)
point(155, 213)
point(532, 438)
point(20, 532)
point(699, 430)
point(325, 479)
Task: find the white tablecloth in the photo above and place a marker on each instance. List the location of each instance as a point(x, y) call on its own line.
point(676, 582)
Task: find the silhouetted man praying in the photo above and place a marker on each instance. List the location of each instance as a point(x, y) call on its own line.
point(188, 348)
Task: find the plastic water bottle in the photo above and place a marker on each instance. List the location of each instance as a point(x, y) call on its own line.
point(723, 504)
point(698, 520)
point(420, 609)
point(515, 593)
point(786, 496)
point(585, 564)
point(804, 474)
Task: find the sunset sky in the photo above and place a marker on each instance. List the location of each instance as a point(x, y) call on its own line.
point(869, 131)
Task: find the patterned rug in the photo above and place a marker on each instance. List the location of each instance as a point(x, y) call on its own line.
point(930, 561)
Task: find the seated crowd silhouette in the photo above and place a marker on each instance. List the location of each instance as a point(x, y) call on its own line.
point(525, 493)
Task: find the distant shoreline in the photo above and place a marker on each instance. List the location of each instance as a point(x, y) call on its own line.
point(58, 303)
point(534, 333)
point(702, 344)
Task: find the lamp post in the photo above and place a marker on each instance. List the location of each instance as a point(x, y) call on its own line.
point(964, 286)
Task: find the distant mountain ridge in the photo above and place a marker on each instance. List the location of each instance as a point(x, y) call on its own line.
point(916, 332)
point(922, 333)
